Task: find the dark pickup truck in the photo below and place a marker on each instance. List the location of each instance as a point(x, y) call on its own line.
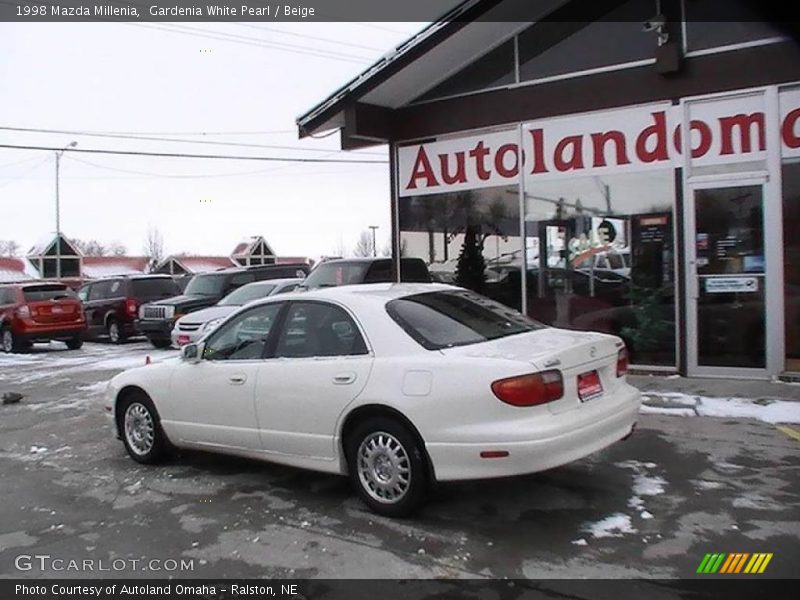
point(157, 319)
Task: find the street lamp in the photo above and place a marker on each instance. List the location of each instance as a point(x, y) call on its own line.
point(374, 249)
point(58, 210)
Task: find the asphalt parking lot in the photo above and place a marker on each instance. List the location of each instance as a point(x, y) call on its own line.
point(651, 506)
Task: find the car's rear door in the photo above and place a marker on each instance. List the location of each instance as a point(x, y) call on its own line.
point(321, 363)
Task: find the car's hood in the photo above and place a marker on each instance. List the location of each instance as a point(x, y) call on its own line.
point(184, 302)
point(544, 347)
point(208, 314)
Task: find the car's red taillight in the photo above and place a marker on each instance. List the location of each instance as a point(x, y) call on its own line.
point(622, 362)
point(24, 312)
point(131, 307)
point(530, 390)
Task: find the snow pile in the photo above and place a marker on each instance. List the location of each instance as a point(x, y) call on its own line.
point(684, 405)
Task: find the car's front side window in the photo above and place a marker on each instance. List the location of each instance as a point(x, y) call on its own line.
point(245, 336)
point(319, 329)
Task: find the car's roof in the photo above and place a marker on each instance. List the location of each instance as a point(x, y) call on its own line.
point(380, 292)
point(271, 282)
point(139, 276)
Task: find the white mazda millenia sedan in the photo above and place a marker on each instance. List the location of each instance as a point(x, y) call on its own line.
point(395, 385)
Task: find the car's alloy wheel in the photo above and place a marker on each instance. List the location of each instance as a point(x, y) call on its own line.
point(8, 341)
point(387, 466)
point(384, 467)
point(141, 430)
point(113, 332)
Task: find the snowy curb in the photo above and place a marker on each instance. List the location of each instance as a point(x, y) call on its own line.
point(676, 404)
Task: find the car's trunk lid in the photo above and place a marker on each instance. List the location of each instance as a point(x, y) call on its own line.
point(573, 353)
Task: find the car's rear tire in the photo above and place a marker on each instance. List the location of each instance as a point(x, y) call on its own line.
point(161, 342)
point(140, 428)
point(387, 467)
point(75, 343)
point(10, 342)
point(114, 331)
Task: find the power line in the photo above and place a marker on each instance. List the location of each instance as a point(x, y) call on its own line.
point(175, 176)
point(214, 133)
point(25, 172)
point(204, 156)
point(309, 37)
point(255, 42)
point(163, 139)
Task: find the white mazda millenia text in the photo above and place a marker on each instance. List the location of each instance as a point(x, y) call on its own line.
point(395, 385)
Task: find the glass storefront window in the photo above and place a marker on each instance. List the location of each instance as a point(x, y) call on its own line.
point(791, 262)
point(468, 238)
point(600, 256)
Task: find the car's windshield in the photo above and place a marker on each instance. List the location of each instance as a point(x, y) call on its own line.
point(36, 293)
point(205, 285)
point(336, 273)
point(246, 294)
point(455, 318)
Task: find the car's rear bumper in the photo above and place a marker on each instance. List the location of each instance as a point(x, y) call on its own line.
point(45, 333)
point(573, 436)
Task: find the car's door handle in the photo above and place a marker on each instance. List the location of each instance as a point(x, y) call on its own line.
point(344, 378)
point(237, 379)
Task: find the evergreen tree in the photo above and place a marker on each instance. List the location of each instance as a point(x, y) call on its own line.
point(471, 267)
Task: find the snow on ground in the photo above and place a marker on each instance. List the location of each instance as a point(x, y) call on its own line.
point(684, 405)
point(615, 525)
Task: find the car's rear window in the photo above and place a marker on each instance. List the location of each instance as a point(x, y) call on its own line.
point(456, 318)
point(37, 293)
point(156, 286)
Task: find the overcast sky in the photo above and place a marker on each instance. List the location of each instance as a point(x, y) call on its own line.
point(164, 79)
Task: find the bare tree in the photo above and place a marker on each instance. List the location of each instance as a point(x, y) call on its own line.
point(339, 250)
point(89, 247)
point(9, 248)
point(363, 246)
point(117, 249)
point(154, 246)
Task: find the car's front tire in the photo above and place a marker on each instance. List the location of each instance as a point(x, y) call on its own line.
point(141, 429)
point(10, 342)
point(387, 467)
point(161, 342)
point(114, 331)
point(75, 343)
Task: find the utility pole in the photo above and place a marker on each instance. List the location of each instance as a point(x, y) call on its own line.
point(374, 248)
point(58, 210)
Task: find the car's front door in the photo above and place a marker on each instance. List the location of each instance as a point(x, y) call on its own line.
point(214, 397)
point(321, 363)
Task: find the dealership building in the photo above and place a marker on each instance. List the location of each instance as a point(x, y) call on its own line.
point(558, 147)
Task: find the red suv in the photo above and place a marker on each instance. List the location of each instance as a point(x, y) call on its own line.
point(39, 312)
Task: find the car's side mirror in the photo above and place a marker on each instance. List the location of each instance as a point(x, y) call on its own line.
point(192, 353)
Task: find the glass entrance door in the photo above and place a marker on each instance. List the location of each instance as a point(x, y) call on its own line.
point(726, 322)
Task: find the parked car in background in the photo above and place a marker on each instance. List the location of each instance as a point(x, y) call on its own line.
point(350, 271)
point(157, 319)
point(192, 327)
point(40, 312)
point(112, 305)
point(394, 385)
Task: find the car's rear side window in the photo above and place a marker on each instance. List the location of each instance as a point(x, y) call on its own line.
point(156, 286)
point(445, 319)
point(37, 293)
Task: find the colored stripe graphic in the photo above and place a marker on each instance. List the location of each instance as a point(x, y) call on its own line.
point(712, 564)
point(734, 563)
point(764, 564)
point(727, 565)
